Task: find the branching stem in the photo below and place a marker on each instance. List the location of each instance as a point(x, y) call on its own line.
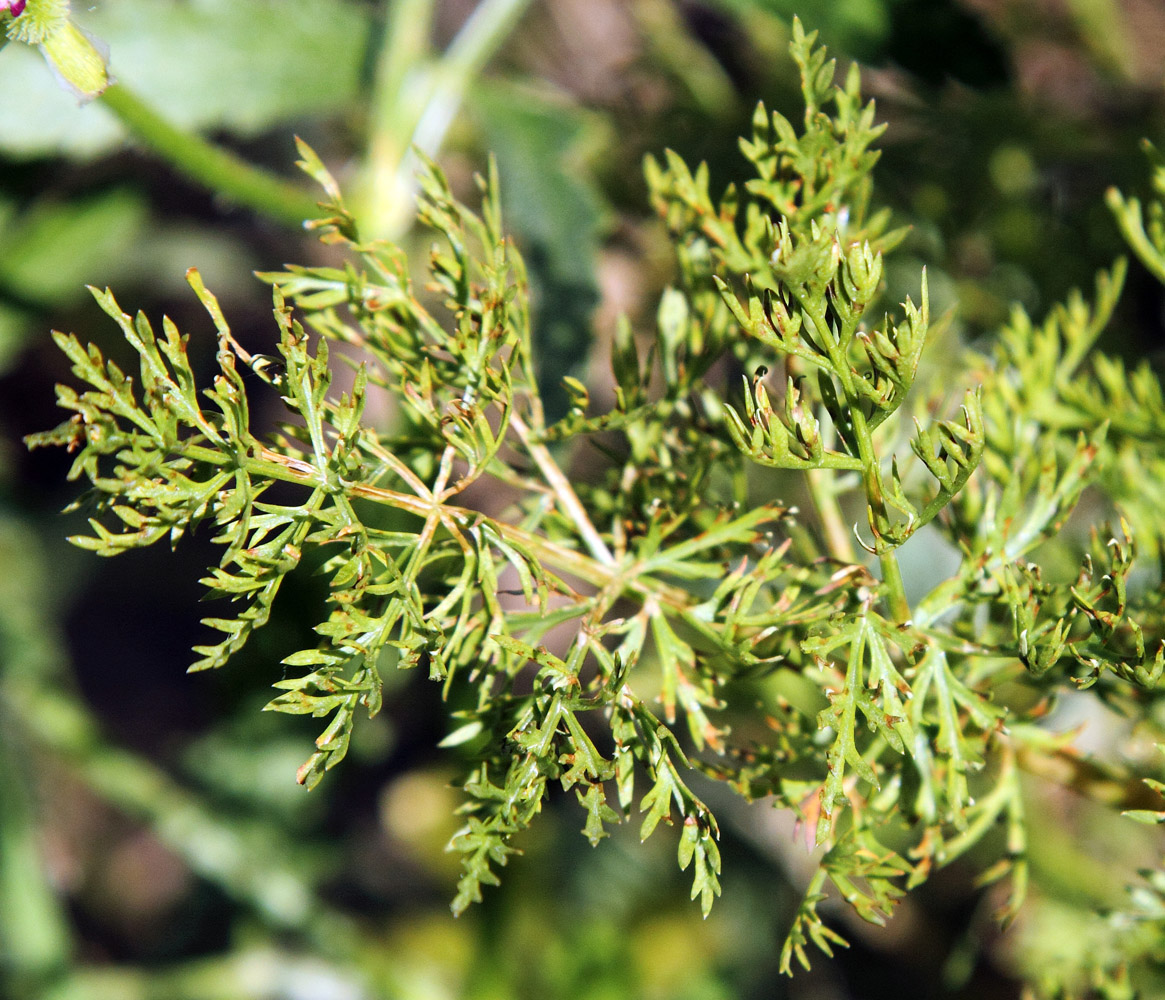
point(571, 505)
point(589, 568)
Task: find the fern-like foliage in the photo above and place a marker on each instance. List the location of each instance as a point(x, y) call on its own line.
point(667, 614)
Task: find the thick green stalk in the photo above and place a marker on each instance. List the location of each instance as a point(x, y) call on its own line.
point(384, 206)
point(216, 168)
point(416, 99)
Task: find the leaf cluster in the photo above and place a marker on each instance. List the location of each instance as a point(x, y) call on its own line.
point(629, 627)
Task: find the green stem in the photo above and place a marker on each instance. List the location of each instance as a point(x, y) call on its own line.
point(837, 536)
point(216, 168)
point(33, 923)
point(578, 564)
point(417, 98)
point(692, 64)
point(571, 505)
point(399, 92)
point(893, 586)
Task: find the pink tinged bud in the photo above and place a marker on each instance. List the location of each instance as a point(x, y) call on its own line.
point(14, 7)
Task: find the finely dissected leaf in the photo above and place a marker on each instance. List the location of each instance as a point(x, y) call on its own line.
point(807, 928)
point(613, 600)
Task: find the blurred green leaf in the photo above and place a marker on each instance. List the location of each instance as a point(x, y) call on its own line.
point(555, 209)
point(52, 251)
point(268, 62)
point(854, 26)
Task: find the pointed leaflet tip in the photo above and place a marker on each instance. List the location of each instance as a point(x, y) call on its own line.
point(208, 300)
point(313, 166)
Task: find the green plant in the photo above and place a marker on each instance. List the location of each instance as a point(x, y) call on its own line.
point(665, 616)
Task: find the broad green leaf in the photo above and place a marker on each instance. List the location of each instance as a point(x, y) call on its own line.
point(53, 250)
point(268, 61)
point(553, 208)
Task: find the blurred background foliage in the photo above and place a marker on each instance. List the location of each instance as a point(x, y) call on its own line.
point(153, 842)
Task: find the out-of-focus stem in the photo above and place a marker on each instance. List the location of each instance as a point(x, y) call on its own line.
point(33, 925)
point(210, 165)
point(837, 536)
point(416, 99)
